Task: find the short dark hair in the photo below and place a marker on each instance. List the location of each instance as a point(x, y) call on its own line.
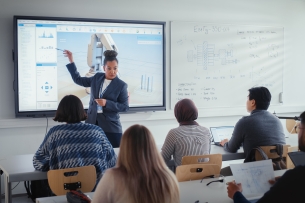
point(110, 55)
point(302, 118)
point(262, 97)
point(301, 140)
point(70, 110)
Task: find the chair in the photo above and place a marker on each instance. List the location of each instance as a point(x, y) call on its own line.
point(291, 126)
point(289, 163)
point(202, 159)
point(271, 152)
point(196, 171)
point(63, 180)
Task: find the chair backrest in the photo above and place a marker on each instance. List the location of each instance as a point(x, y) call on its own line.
point(196, 171)
point(289, 163)
point(203, 159)
point(271, 152)
point(60, 179)
point(291, 126)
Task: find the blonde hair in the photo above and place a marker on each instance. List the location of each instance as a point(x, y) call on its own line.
point(146, 176)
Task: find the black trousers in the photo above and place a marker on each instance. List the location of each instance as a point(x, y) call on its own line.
point(114, 139)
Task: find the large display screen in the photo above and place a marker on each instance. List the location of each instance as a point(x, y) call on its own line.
point(41, 76)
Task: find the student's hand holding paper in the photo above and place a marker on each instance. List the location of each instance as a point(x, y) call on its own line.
point(233, 188)
point(272, 182)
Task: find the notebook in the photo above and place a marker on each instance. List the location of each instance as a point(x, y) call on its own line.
point(297, 158)
point(221, 133)
point(254, 178)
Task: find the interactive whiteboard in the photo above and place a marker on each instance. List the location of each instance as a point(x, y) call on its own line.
point(41, 76)
point(215, 65)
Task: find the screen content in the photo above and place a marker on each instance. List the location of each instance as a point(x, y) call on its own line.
point(221, 133)
point(43, 79)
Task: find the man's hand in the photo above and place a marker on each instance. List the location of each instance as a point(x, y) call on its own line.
point(223, 142)
point(101, 102)
point(233, 188)
point(272, 182)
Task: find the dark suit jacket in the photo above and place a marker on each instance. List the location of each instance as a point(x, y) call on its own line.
point(116, 95)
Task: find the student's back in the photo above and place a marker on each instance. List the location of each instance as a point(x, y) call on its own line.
point(140, 175)
point(189, 138)
point(288, 188)
point(261, 128)
point(186, 140)
point(74, 144)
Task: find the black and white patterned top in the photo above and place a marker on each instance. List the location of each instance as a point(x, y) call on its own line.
point(186, 140)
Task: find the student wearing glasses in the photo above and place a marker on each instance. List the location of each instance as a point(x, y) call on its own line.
point(288, 188)
point(140, 174)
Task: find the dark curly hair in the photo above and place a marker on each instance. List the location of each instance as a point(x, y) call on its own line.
point(110, 55)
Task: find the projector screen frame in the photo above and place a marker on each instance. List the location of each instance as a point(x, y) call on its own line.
point(51, 113)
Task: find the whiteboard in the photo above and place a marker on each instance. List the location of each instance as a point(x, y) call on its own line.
point(215, 64)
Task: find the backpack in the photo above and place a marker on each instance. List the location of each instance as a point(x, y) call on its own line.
point(38, 188)
point(278, 163)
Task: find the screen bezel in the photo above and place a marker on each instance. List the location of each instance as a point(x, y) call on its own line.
point(50, 113)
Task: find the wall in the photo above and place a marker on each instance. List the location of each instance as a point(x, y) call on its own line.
point(22, 136)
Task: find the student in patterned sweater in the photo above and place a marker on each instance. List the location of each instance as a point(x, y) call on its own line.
point(74, 143)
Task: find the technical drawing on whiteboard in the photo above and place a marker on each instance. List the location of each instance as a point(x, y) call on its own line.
point(206, 56)
point(253, 176)
point(223, 62)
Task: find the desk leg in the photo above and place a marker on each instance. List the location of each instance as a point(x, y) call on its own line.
point(0, 187)
point(8, 190)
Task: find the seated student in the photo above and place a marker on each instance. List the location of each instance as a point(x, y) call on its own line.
point(260, 128)
point(287, 188)
point(140, 175)
point(74, 143)
point(189, 138)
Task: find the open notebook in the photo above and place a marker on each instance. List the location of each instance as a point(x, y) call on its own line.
point(253, 177)
point(221, 133)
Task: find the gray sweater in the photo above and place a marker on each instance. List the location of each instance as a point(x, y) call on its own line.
point(186, 140)
point(260, 128)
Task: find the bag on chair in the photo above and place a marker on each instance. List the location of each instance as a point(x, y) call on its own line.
point(38, 188)
point(278, 163)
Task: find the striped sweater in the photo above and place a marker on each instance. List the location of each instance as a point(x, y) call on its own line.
point(75, 145)
point(186, 140)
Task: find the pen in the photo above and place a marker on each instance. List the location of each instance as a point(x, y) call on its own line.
point(59, 49)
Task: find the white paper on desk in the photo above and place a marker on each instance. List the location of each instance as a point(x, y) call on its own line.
point(253, 176)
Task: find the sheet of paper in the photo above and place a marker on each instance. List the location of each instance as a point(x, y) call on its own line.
point(253, 176)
